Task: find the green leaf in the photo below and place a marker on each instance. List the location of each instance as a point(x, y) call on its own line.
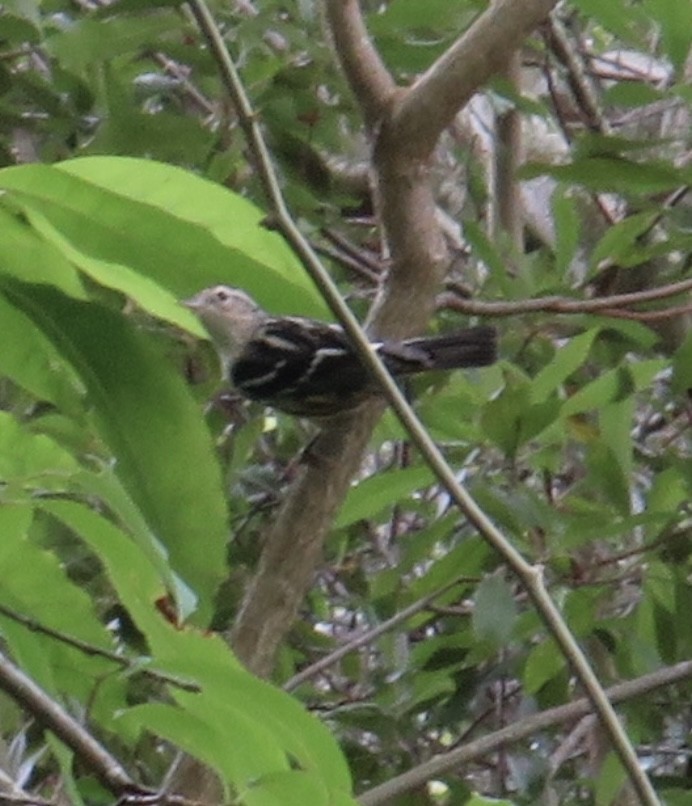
point(619, 243)
point(682, 366)
point(543, 663)
point(606, 477)
point(87, 41)
point(675, 21)
point(24, 254)
point(617, 16)
point(368, 498)
point(632, 93)
point(290, 788)
point(143, 411)
point(567, 228)
point(669, 490)
point(485, 250)
point(615, 174)
point(609, 387)
point(214, 739)
point(595, 144)
point(501, 418)
point(183, 232)
point(19, 31)
point(32, 460)
point(466, 559)
point(134, 570)
point(494, 611)
point(511, 419)
point(261, 261)
point(610, 780)
point(232, 703)
point(32, 362)
point(35, 584)
point(564, 363)
point(615, 425)
point(661, 587)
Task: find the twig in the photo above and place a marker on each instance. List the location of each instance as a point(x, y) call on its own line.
point(174, 68)
point(7, 798)
point(375, 265)
point(350, 263)
point(562, 304)
point(95, 651)
point(583, 88)
point(365, 638)
point(649, 316)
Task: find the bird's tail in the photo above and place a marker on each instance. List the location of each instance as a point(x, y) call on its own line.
point(473, 347)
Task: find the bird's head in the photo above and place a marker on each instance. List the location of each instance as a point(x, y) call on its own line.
point(229, 314)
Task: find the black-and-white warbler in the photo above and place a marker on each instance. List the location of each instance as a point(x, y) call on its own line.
point(309, 368)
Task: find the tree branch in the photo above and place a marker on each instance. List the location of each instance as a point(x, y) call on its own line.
point(367, 76)
point(52, 716)
point(562, 304)
point(426, 110)
point(448, 762)
point(293, 544)
point(506, 196)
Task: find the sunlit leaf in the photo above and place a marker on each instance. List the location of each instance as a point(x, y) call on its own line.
point(152, 425)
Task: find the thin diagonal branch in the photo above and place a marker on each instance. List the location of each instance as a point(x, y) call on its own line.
point(366, 637)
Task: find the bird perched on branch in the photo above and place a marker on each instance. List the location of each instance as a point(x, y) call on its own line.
point(309, 368)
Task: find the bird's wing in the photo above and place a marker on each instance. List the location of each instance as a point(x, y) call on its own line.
point(298, 357)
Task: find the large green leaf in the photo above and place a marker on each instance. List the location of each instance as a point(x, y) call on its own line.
point(32, 461)
point(31, 361)
point(275, 728)
point(24, 254)
point(163, 451)
point(35, 585)
point(128, 222)
point(371, 496)
point(132, 568)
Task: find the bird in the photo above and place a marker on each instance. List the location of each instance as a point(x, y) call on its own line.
point(309, 368)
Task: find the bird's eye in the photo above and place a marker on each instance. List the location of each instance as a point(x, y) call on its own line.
point(222, 295)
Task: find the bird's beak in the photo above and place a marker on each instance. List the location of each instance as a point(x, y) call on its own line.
point(194, 303)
